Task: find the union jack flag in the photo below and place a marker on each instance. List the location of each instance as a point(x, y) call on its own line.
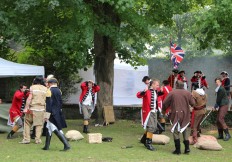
point(177, 55)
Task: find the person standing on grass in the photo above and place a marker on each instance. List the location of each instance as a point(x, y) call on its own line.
point(56, 121)
point(166, 90)
point(226, 84)
point(173, 78)
point(198, 112)
point(34, 111)
point(147, 80)
point(179, 101)
point(221, 105)
point(149, 112)
point(87, 101)
point(183, 78)
point(16, 109)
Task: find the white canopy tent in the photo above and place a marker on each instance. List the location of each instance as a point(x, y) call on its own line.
point(12, 69)
point(127, 82)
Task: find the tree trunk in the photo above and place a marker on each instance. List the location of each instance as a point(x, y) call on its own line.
point(104, 72)
point(104, 61)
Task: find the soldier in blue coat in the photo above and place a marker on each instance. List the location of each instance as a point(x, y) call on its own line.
point(56, 121)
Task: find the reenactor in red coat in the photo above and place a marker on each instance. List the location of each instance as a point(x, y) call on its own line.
point(87, 101)
point(16, 109)
point(149, 112)
point(173, 78)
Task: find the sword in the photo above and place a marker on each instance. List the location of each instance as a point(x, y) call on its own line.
point(160, 127)
point(206, 117)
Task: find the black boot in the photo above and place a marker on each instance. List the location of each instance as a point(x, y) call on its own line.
point(227, 137)
point(143, 139)
point(63, 140)
point(177, 145)
point(9, 136)
point(163, 125)
point(47, 142)
point(149, 144)
point(44, 133)
point(186, 144)
point(220, 134)
point(85, 129)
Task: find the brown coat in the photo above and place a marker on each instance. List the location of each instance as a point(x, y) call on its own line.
point(200, 100)
point(179, 101)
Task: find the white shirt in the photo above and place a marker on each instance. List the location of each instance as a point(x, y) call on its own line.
point(155, 98)
point(175, 80)
point(88, 100)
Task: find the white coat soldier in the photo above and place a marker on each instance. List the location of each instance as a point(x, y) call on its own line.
point(56, 121)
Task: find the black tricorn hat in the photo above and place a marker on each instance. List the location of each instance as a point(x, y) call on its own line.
point(175, 71)
point(52, 80)
point(182, 71)
point(224, 72)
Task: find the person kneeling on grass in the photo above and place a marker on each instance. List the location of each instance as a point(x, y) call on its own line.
point(179, 101)
point(55, 120)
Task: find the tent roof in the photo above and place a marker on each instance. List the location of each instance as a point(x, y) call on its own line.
point(11, 69)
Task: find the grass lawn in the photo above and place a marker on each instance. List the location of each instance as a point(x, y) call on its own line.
point(124, 133)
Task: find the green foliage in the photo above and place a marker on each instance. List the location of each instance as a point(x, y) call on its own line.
point(59, 34)
point(182, 33)
point(215, 24)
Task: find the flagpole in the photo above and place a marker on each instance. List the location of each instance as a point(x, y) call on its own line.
point(170, 58)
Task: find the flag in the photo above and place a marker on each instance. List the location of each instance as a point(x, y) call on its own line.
point(177, 55)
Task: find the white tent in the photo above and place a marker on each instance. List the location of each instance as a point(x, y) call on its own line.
point(127, 82)
point(11, 69)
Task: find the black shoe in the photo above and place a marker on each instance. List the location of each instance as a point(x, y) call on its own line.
point(63, 140)
point(10, 135)
point(85, 129)
point(149, 144)
point(186, 144)
point(220, 134)
point(177, 145)
point(227, 137)
point(47, 142)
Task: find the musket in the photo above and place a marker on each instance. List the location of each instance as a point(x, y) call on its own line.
point(160, 126)
point(206, 116)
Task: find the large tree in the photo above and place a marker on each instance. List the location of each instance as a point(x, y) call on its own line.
point(216, 26)
point(91, 31)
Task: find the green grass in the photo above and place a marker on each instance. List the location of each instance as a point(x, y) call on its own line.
point(123, 132)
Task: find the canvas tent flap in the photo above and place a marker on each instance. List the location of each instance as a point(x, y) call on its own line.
point(127, 82)
point(11, 69)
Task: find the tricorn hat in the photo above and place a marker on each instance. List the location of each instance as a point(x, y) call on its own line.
point(175, 71)
point(224, 72)
point(182, 71)
point(52, 80)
